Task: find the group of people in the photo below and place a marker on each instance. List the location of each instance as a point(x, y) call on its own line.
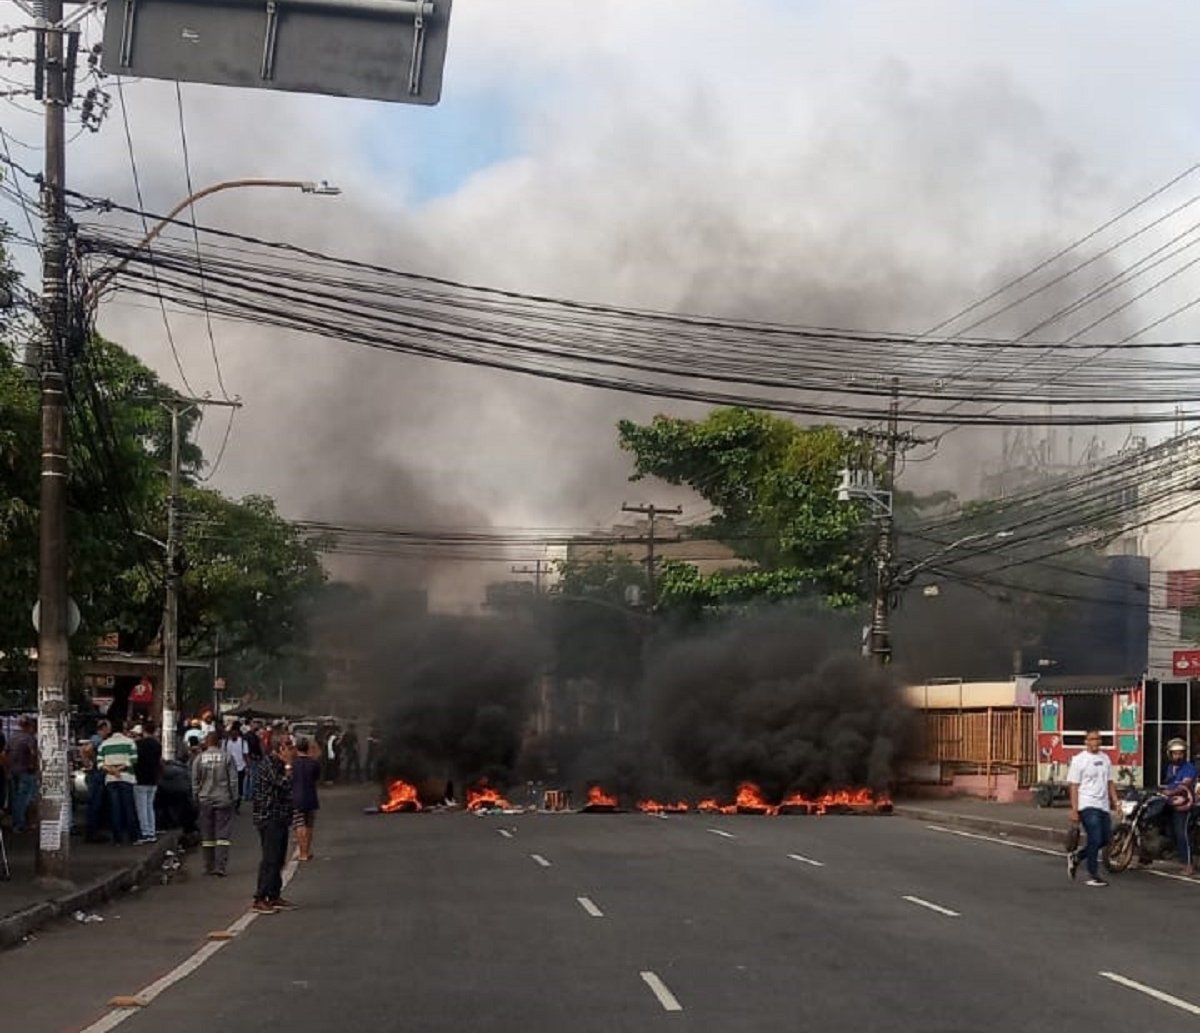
point(19, 771)
point(123, 771)
point(1095, 798)
point(282, 774)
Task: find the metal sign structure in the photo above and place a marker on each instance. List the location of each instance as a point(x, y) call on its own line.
point(392, 50)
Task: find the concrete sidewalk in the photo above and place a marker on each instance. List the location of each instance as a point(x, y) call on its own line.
point(99, 872)
point(1024, 821)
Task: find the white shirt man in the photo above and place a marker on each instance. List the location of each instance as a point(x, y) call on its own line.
point(1093, 790)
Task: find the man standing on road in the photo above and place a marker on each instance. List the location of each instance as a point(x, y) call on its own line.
point(238, 749)
point(215, 786)
point(1093, 792)
point(273, 819)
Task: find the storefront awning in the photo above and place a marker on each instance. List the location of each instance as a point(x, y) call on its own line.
point(1085, 684)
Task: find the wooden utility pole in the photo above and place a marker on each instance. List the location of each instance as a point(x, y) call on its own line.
point(651, 511)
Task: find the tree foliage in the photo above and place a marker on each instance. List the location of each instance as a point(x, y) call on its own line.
point(773, 485)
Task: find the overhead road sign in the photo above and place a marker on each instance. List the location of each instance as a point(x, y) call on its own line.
point(391, 50)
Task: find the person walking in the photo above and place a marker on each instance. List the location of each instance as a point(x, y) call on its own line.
point(215, 786)
point(272, 813)
point(306, 773)
point(1093, 799)
point(147, 769)
point(22, 771)
point(351, 761)
point(117, 756)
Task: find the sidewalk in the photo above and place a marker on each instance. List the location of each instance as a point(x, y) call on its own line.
point(99, 872)
point(1044, 826)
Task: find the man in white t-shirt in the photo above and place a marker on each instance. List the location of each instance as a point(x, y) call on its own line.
point(237, 748)
point(1093, 799)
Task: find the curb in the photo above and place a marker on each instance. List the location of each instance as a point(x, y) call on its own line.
point(19, 924)
point(1041, 834)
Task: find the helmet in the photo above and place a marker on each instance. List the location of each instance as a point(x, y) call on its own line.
point(1177, 745)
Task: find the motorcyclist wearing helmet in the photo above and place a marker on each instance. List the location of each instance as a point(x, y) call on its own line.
point(1179, 785)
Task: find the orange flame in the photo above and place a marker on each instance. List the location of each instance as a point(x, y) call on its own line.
point(401, 797)
point(485, 796)
point(852, 799)
point(654, 807)
point(597, 797)
point(710, 806)
point(750, 798)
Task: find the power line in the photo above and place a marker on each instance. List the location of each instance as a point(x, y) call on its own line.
point(137, 187)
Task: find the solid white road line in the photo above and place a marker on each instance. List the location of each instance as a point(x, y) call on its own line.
point(667, 999)
point(932, 906)
point(540, 860)
point(1149, 991)
point(807, 860)
point(181, 971)
point(722, 832)
point(505, 833)
point(589, 907)
point(1170, 875)
point(997, 839)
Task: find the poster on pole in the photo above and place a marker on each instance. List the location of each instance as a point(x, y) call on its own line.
point(391, 50)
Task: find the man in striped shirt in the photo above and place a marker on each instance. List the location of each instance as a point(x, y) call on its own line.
point(116, 757)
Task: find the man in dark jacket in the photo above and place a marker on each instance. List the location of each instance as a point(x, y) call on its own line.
point(273, 819)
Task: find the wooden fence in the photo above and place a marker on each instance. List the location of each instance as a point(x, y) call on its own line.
point(984, 742)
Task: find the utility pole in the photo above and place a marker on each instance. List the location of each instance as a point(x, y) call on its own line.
point(881, 635)
point(880, 638)
point(53, 855)
point(537, 570)
point(651, 511)
point(178, 407)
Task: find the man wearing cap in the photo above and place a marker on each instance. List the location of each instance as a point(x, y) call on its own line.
point(1179, 785)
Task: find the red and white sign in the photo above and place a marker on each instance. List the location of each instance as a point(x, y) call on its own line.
point(1186, 663)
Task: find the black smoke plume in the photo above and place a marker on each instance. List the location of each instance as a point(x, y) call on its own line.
point(454, 697)
point(777, 698)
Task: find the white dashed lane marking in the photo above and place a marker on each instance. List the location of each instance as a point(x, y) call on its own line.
point(807, 860)
point(1149, 991)
point(932, 906)
point(540, 860)
point(505, 833)
point(667, 999)
point(589, 907)
point(722, 832)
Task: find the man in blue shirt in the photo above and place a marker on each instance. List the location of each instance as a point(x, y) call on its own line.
point(1179, 783)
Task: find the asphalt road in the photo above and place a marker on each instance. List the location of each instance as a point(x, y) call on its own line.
point(553, 923)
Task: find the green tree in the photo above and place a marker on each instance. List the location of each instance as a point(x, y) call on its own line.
point(773, 485)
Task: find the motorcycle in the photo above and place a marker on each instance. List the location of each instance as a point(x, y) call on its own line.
point(1144, 833)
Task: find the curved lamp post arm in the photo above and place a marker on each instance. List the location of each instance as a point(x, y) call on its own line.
point(105, 275)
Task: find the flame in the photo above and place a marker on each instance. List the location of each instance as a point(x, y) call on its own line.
point(401, 797)
point(485, 796)
point(597, 797)
point(655, 807)
point(710, 806)
point(857, 799)
point(750, 798)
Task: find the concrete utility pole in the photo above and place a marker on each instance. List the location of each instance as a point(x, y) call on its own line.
point(177, 407)
point(537, 570)
point(652, 511)
point(53, 855)
point(892, 440)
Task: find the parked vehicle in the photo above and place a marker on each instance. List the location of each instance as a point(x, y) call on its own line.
point(1145, 833)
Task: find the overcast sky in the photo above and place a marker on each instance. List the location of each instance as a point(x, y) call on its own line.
point(855, 163)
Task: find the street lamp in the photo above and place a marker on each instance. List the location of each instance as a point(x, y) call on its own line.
point(905, 575)
point(321, 188)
